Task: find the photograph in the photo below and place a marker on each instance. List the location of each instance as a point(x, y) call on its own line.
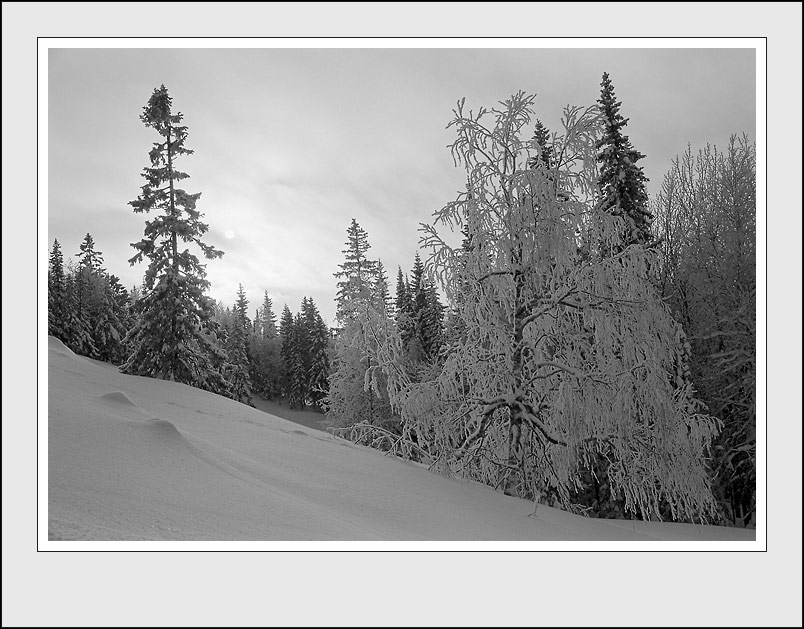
point(401, 294)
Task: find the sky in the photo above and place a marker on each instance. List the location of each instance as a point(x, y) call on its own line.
point(292, 143)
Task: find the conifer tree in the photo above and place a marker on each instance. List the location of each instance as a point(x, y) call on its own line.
point(76, 326)
point(285, 334)
point(621, 182)
point(433, 321)
point(543, 145)
point(88, 258)
point(266, 346)
point(56, 294)
point(241, 308)
point(268, 318)
point(81, 303)
point(419, 342)
point(298, 365)
point(358, 274)
point(116, 313)
point(174, 337)
point(356, 388)
point(107, 312)
point(426, 314)
point(404, 308)
point(256, 325)
point(317, 346)
point(236, 370)
point(101, 304)
point(381, 291)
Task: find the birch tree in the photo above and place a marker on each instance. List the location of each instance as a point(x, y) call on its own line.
point(565, 354)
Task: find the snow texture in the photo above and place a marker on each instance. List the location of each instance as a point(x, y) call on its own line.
point(134, 458)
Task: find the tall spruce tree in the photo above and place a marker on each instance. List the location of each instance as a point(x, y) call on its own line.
point(358, 275)
point(622, 183)
point(173, 338)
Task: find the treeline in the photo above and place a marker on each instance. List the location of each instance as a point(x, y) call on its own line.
point(286, 361)
point(94, 315)
point(88, 309)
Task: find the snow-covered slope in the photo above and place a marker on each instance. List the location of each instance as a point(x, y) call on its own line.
point(133, 458)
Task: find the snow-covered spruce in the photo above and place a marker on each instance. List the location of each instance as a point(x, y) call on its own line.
point(174, 336)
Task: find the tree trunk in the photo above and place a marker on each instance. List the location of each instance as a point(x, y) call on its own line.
point(174, 342)
point(516, 453)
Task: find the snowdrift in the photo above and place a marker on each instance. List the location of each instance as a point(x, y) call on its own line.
point(132, 458)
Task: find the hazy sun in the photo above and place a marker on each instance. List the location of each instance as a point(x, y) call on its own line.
point(229, 233)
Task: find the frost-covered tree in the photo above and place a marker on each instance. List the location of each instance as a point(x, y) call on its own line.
point(706, 220)
point(358, 274)
point(174, 337)
point(621, 181)
point(357, 392)
point(523, 399)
